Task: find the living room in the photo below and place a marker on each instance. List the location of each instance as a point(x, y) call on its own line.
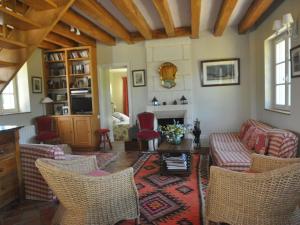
point(239, 36)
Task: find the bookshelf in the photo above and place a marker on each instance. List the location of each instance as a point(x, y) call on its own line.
point(71, 82)
point(70, 73)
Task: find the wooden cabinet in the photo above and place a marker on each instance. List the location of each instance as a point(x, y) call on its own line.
point(78, 131)
point(65, 129)
point(82, 131)
point(10, 170)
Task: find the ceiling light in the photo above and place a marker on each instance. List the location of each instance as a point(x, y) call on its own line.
point(72, 29)
point(77, 31)
point(286, 24)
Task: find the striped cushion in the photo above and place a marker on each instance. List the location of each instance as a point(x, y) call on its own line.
point(282, 143)
point(228, 151)
point(35, 186)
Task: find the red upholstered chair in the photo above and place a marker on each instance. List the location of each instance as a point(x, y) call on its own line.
point(146, 128)
point(45, 132)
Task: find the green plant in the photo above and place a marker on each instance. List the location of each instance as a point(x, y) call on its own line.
point(173, 131)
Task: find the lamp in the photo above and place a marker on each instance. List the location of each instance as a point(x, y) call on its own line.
point(287, 23)
point(46, 101)
point(183, 100)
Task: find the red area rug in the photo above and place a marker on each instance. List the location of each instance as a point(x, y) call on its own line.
point(168, 200)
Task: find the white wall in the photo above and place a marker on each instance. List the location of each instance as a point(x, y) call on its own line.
point(221, 108)
point(218, 108)
point(292, 121)
point(116, 82)
point(35, 68)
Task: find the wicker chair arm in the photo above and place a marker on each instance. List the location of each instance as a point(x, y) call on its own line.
point(262, 163)
point(75, 164)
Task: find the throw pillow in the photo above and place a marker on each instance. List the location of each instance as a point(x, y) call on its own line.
point(252, 140)
point(245, 126)
point(98, 173)
point(261, 144)
point(247, 135)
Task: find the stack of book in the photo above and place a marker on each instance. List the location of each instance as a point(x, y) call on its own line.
point(176, 162)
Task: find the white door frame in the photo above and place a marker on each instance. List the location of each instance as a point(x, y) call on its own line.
point(105, 98)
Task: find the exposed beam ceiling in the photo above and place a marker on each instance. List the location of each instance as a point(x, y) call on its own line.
point(84, 25)
point(48, 45)
point(102, 17)
point(132, 13)
point(256, 9)
point(195, 17)
point(162, 7)
point(223, 17)
point(64, 30)
point(160, 33)
point(40, 4)
point(59, 40)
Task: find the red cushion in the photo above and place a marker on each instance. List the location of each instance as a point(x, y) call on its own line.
point(147, 134)
point(46, 135)
point(261, 144)
point(98, 173)
point(103, 130)
point(146, 121)
point(248, 135)
point(245, 126)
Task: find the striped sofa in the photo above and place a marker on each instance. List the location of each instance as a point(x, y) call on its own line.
point(228, 151)
point(35, 187)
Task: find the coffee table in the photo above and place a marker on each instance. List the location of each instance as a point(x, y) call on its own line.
point(167, 150)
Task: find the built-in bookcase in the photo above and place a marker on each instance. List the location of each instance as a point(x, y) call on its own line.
point(70, 74)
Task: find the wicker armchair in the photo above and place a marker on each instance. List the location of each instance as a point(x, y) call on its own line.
point(88, 200)
point(269, 196)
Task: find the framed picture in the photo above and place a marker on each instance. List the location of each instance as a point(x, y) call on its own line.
point(58, 108)
point(65, 110)
point(220, 72)
point(36, 84)
point(138, 78)
point(295, 61)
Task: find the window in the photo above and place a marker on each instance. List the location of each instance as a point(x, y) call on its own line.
point(9, 98)
point(282, 75)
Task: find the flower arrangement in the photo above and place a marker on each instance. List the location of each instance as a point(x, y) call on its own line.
point(173, 132)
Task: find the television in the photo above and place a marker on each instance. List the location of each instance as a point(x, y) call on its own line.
point(81, 105)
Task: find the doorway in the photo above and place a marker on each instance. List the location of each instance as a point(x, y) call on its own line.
point(115, 107)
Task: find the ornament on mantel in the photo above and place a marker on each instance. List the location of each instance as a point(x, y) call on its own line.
point(183, 100)
point(155, 101)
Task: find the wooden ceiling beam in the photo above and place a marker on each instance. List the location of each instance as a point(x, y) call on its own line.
point(195, 17)
point(163, 9)
point(161, 33)
point(40, 4)
point(59, 40)
point(254, 12)
point(64, 30)
point(135, 17)
point(103, 17)
point(87, 27)
point(47, 45)
point(224, 16)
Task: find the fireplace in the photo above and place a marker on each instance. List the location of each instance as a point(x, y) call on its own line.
point(166, 121)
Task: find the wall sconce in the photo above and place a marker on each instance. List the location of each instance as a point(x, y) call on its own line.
point(287, 23)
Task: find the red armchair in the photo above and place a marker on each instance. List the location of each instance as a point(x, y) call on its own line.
point(146, 128)
point(45, 132)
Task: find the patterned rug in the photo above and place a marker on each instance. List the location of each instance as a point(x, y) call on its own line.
point(169, 200)
point(103, 158)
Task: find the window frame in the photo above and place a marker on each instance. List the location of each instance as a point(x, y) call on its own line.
point(287, 83)
point(16, 100)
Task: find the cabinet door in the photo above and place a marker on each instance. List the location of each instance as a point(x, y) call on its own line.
point(82, 131)
point(65, 129)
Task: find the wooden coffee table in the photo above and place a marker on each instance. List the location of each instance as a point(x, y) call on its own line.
point(167, 150)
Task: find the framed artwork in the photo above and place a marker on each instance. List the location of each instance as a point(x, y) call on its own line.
point(36, 84)
point(295, 61)
point(220, 72)
point(138, 78)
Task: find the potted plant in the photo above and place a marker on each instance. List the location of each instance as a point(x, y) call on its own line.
point(173, 132)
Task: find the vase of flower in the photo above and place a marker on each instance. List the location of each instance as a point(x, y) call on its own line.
point(173, 132)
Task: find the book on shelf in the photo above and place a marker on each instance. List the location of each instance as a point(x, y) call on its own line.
point(81, 68)
point(55, 56)
point(79, 54)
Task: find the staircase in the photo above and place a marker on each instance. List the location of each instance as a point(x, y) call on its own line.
point(25, 24)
